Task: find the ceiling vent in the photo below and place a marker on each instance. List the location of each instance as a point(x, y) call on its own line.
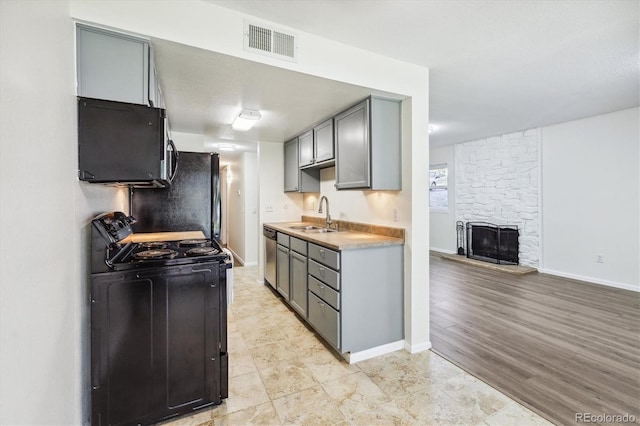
point(271, 42)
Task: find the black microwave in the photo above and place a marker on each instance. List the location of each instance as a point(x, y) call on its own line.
point(124, 144)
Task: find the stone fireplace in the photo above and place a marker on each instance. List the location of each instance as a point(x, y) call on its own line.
point(497, 182)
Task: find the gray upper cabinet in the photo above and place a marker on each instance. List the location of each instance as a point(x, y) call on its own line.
point(291, 168)
point(155, 92)
point(115, 67)
point(323, 146)
point(305, 142)
point(368, 145)
point(296, 180)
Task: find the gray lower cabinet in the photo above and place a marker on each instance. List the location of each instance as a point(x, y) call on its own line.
point(113, 66)
point(368, 145)
point(325, 320)
point(296, 180)
point(282, 271)
point(352, 298)
point(298, 280)
point(291, 271)
point(356, 296)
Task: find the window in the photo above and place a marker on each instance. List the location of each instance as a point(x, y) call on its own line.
point(438, 180)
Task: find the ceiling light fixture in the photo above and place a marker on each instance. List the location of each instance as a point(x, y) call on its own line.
point(226, 147)
point(431, 129)
point(246, 120)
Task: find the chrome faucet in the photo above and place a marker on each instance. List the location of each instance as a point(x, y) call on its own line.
point(328, 219)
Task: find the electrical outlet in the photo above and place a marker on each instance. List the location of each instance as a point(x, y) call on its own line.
point(395, 215)
point(311, 205)
point(269, 208)
point(599, 258)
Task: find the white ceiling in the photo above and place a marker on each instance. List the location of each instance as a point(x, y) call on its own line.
point(205, 91)
point(495, 66)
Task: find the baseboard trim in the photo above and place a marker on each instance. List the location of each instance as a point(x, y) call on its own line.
point(353, 357)
point(250, 264)
point(420, 347)
point(591, 280)
point(236, 257)
point(445, 251)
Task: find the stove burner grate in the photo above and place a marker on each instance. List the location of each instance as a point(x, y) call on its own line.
point(202, 251)
point(193, 243)
point(155, 254)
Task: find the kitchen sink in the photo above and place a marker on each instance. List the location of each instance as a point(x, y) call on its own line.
point(319, 230)
point(312, 229)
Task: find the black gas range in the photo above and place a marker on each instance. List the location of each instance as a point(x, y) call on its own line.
point(158, 325)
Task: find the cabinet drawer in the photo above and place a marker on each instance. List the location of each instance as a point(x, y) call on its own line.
point(325, 292)
point(298, 245)
point(283, 239)
point(324, 274)
point(325, 320)
point(325, 256)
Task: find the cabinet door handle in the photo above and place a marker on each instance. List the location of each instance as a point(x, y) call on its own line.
point(321, 270)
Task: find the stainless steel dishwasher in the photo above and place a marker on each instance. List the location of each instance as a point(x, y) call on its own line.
point(269, 256)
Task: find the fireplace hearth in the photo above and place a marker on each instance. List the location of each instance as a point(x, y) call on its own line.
point(492, 243)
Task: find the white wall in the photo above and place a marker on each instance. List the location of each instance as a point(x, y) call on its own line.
point(189, 142)
point(590, 199)
point(224, 203)
point(442, 235)
point(44, 313)
point(250, 160)
point(284, 207)
point(374, 207)
point(242, 232)
point(236, 208)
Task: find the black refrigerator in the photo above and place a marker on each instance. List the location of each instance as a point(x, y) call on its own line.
point(190, 203)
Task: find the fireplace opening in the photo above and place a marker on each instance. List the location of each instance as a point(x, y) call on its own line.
point(492, 243)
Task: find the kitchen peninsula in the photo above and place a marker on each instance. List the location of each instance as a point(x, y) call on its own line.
point(346, 283)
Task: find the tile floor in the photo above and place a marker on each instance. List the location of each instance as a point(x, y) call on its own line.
point(281, 373)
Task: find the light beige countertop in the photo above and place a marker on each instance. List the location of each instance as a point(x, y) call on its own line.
point(147, 237)
point(341, 240)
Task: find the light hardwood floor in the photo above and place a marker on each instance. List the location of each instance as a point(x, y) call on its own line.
point(556, 345)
